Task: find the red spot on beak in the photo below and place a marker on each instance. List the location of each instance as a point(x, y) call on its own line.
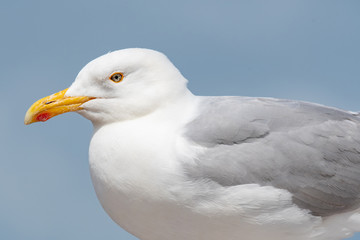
point(43, 117)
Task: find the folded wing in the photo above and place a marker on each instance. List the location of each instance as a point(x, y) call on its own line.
point(310, 150)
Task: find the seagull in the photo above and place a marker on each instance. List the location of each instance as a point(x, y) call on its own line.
point(169, 165)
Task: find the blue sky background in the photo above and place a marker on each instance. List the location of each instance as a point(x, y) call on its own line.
point(307, 50)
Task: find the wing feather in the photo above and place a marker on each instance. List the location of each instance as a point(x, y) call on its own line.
point(310, 150)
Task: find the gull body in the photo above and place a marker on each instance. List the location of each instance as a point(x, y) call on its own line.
point(167, 164)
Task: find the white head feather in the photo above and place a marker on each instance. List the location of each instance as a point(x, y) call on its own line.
point(150, 82)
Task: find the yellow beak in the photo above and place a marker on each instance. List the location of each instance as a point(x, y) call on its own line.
point(53, 105)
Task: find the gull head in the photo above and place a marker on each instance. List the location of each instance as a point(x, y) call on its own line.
point(121, 85)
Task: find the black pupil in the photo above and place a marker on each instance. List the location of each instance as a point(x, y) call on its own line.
point(116, 77)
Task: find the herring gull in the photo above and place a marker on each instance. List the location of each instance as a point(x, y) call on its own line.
point(168, 165)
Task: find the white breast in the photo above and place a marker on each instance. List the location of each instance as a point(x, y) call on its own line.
point(134, 166)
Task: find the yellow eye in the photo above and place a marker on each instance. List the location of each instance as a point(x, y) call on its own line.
point(116, 77)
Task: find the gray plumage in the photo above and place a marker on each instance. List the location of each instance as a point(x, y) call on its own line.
point(310, 150)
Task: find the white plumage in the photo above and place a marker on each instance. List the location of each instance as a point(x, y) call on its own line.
point(166, 164)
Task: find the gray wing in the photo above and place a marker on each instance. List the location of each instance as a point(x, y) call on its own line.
point(311, 150)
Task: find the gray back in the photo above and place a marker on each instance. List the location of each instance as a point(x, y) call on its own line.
point(311, 150)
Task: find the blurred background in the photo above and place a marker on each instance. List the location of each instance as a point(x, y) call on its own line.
point(300, 49)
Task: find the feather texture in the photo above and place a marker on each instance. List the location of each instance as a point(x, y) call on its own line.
point(310, 150)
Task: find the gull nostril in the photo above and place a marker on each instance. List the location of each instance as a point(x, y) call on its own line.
point(49, 102)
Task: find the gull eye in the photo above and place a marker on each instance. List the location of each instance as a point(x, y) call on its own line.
point(116, 77)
